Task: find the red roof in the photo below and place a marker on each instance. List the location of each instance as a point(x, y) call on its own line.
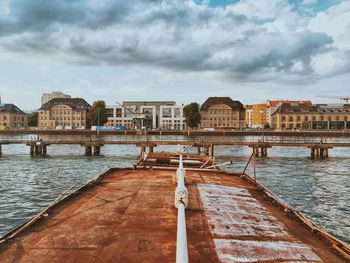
point(276, 103)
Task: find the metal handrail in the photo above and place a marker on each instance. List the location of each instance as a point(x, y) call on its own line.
point(181, 202)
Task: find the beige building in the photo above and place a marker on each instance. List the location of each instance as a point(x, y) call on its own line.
point(63, 113)
point(315, 117)
point(46, 97)
point(222, 113)
point(273, 105)
point(12, 117)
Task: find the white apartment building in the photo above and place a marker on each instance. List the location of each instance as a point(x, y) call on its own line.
point(146, 115)
point(171, 117)
point(120, 116)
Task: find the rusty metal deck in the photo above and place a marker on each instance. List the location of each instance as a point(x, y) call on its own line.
point(129, 216)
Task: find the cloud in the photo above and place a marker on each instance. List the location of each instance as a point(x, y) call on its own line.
point(335, 22)
point(248, 41)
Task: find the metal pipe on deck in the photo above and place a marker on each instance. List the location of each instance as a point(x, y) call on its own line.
point(218, 165)
point(181, 202)
point(181, 241)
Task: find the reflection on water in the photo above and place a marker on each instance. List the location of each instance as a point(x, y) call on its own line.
point(318, 188)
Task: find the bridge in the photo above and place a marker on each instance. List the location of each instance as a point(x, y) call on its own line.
point(319, 143)
point(285, 133)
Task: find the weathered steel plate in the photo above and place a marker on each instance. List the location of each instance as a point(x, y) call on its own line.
point(129, 216)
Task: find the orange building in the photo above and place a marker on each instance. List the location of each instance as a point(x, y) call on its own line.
point(259, 113)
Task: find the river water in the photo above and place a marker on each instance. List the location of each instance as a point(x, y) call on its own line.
point(318, 188)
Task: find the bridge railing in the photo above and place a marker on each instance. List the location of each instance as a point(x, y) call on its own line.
point(170, 138)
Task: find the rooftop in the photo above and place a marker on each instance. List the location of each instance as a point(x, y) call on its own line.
point(74, 103)
point(276, 103)
point(318, 108)
point(10, 108)
point(211, 101)
point(148, 103)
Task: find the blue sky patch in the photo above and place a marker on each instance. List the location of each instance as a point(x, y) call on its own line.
point(321, 5)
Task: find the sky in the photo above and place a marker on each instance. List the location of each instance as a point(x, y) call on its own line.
point(184, 51)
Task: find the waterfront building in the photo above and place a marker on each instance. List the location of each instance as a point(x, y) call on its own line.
point(46, 97)
point(12, 117)
point(273, 105)
point(171, 117)
point(222, 113)
point(259, 115)
point(248, 115)
point(146, 115)
point(315, 117)
point(69, 113)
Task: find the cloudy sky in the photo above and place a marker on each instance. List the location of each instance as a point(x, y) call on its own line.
point(185, 50)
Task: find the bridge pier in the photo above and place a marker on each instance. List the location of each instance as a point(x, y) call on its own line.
point(206, 150)
point(260, 149)
point(146, 148)
point(37, 149)
point(0, 150)
point(96, 150)
point(31, 151)
point(264, 151)
point(319, 151)
point(44, 150)
point(211, 150)
point(88, 150)
point(142, 151)
point(40, 150)
point(325, 153)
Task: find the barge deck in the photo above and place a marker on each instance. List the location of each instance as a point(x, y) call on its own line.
point(128, 215)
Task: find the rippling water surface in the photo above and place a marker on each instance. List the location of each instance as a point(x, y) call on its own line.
point(318, 188)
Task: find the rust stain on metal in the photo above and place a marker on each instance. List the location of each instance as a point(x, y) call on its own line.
point(244, 231)
point(129, 216)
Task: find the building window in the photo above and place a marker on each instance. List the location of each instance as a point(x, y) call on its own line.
point(118, 113)
point(177, 113)
point(166, 112)
point(109, 112)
